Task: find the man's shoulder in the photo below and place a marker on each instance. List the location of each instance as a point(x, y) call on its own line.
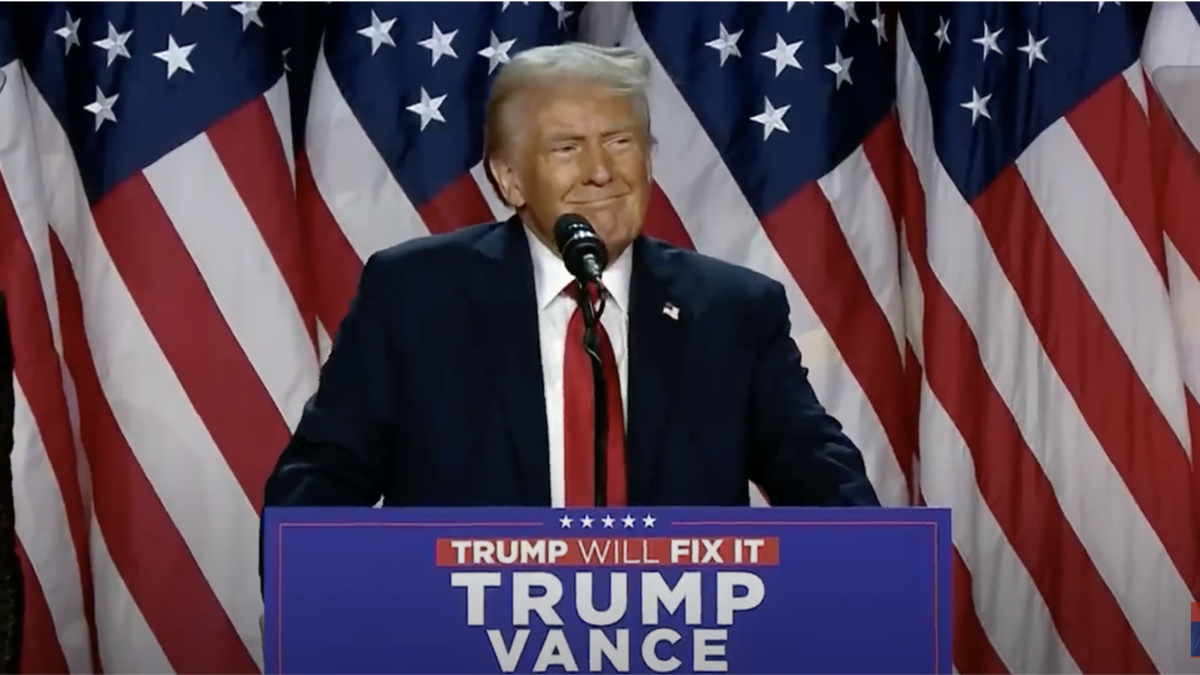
point(714, 276)
point(432, 252)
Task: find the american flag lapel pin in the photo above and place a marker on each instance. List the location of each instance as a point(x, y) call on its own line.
point(671, 311)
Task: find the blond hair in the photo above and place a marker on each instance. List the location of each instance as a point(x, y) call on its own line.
point(624, 71)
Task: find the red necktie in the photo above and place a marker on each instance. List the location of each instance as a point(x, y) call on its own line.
point(579, 417)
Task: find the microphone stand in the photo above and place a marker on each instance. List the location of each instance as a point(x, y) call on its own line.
point(591, 345)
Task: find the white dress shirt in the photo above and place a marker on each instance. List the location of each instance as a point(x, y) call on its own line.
point(550, 277)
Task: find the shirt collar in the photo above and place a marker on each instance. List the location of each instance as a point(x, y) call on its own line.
point(550, 275)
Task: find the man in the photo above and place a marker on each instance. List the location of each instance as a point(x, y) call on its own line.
point(458, 377)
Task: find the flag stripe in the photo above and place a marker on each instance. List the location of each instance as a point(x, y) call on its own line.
point(264, 184)
point(112, 463)
point(38, 626)
point(1117, 152)
point(222, 237)
point(189, 328)
point(329, 251)
point(38, 382)
point(461, 202)
point(820, 260)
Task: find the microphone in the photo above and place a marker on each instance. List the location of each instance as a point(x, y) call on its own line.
point(585, 256)
point(580, 247)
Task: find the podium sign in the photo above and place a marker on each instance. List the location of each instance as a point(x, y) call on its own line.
point(687, 590)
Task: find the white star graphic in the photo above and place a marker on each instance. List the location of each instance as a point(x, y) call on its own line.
point(438, 44)
point(943, 32)
point(628, 521)
point(509, 2)
point(988, 41)
point(103, 108)
point(880, 24)
point(69, 33)
point(563, 13)
point(188, 5)
point(176, 57)
point(286, 68)
point(771, 118)
point(1100, 5)
point(380, 32)
point(784, 54)
point(566, 522)
point(428, 108)
point(114, 44)
point(977, 105)
point(1034, 49)
point(648, 521)
point(249, 12)
point(586, 521)
point(848, 10)
point(608, 521)
point(840, 67)
point(496, 52)
point(726, 44)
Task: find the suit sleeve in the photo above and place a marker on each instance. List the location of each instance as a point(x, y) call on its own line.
point(799, 454)
point(341, 452)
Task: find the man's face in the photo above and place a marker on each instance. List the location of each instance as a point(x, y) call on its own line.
point(578, 149)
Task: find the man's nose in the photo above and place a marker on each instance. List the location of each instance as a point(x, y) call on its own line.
point(597, 164)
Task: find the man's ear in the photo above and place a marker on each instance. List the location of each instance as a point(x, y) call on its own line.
point(507, 182)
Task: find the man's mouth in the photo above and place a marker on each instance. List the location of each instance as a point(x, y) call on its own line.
point(599, 202)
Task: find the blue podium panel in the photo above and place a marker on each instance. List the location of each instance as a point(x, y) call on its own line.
point(666, 590)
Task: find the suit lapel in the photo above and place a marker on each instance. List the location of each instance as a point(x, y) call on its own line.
point(505, 311)
point(658, 324)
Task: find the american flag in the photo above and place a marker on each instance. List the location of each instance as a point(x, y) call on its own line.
point(984, 216)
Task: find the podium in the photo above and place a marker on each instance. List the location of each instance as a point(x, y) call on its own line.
point(637, 590)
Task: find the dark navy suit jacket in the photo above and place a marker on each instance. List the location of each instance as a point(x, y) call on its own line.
point(433, 393)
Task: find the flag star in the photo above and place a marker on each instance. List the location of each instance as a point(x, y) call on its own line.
point(69, 33)
point(726, 44)
point(189, 5)
point(286, 68)
point(1100, 5)
point(977, 105)
point(114, 44)
point(496, 52)
point(565, 521)
point(175, 57)
point(428, 108)
point(848, 10)
point(102, 108)
point(563, 13)
point(840, 67)
point(943, 32)
point(509, 2)
point(880, 24)
point(784, 54)
point(586, 521)
point(438, 44)
point(771, 118)
point(1034, 49)
point(608, 521)
point(249, 12)
point(380, 32)
point(648, 521)
point(988, 41)
point(628, 521)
